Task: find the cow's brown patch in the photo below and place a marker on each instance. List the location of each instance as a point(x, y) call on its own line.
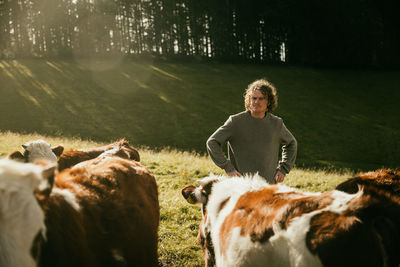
point(256, 212)
point(365, 234)
point(223, 204)
point(326, 226)
point(299, 206)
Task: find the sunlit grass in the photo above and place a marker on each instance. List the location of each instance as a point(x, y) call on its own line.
point(316, 180)
point(341, 118)
point(173, 170)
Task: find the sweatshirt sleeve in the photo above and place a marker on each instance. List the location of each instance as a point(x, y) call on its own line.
point(289, 150)
point(215, 142)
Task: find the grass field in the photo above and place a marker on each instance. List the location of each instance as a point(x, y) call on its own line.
point(341, 118)
point(173, 170)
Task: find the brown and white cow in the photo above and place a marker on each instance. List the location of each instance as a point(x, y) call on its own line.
point(71, 157)
point(247, 222)
point(100, 212)
point(40, 149)
point(385, 179)
point(21, 217)
point(36, 150)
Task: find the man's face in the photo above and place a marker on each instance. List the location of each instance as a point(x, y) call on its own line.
point(258, 102)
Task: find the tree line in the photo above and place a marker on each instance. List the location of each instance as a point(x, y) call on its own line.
point(335, 33)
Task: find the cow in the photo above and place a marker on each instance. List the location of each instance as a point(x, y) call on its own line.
point(71, 157)
point(100, 212)
point(40, 149)
point(36, 150)
point(21, 216)
point(385, 179)
point(248, 222)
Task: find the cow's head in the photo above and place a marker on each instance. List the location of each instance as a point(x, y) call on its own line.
point(22, 218)
point(200, 195)
point(129, 151)
point(386, 179)
point(38, 149)
point(122, 149)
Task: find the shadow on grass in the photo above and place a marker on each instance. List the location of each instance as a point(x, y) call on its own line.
point(347, 118)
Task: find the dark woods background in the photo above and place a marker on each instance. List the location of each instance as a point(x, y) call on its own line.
point(333, 33)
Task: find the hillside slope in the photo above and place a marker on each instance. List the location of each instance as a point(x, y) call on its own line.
point(340, 118)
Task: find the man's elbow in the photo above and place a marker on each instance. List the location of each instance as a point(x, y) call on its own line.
point(211, 142)
point(291, 147)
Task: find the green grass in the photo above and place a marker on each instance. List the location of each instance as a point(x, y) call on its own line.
point(173, 170)
point(341, 118)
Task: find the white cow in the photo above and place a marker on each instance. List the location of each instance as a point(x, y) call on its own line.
point(21, 217)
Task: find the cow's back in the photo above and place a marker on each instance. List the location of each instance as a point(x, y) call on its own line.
point(246, 223)
point(121, 148)
point(113, 219)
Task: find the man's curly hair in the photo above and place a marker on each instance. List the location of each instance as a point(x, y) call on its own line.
point(267, 89)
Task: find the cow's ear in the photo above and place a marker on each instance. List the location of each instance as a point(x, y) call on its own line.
point(189, 194)
point(16, 155)
point(58, 150)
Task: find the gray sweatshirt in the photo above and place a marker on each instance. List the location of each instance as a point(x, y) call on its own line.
point(253, 145)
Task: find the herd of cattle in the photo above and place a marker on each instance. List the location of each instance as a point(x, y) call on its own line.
point(99, 207)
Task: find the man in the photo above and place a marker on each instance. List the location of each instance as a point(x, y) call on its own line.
point(254, 138)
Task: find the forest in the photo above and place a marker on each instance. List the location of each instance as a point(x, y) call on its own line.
point(322, 33)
